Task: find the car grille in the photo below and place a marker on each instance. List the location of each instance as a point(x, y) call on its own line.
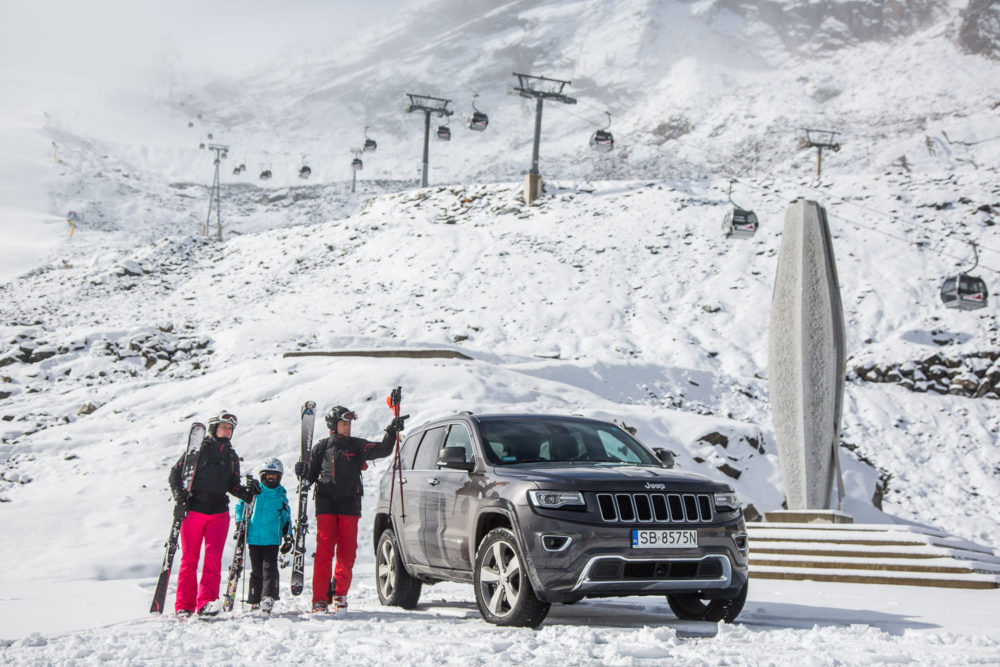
point(613, 569)
point(656, 507)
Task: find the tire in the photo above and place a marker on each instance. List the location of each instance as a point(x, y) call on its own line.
point(396, 588)
point(503, 591)
point(690, 607)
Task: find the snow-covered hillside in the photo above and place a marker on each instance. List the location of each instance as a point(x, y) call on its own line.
point(615, 296)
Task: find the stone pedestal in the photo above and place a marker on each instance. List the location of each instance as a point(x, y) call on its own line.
point(532, 188)
point(807, 516)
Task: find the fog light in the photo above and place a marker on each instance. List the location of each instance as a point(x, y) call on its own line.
point(555, 542)
point(741, 541)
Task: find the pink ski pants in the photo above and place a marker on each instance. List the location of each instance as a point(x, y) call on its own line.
point(196, 529)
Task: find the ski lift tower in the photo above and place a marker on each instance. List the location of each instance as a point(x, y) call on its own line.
point(540, 88)
point(215, 197)
point(429, 105)
point(819, 139)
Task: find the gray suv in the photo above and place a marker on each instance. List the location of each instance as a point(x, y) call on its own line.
point(537, 509)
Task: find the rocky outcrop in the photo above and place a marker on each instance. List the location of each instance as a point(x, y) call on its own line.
point(973, 375)
point(823, 25)
point(979, 32)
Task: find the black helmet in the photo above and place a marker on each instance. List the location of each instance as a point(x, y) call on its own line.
point(339, 413)
point(223, 416)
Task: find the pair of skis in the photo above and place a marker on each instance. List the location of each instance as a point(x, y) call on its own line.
point(236, 567)
point(308, 418)
point(191, 451)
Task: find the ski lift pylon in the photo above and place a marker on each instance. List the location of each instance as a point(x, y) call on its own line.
point(739, 222)
point(477, 119)
point(963, 291)
point(602, 140)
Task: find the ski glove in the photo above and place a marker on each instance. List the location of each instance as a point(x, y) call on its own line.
point(253, 488)
point(286, 544)
point(396, 425)
point(299, 469)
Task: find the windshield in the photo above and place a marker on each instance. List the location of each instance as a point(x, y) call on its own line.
point(513, 441)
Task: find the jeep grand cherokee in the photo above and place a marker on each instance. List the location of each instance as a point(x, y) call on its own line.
point(537, 509)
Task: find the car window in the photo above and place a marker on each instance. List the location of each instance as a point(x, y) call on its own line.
point(428, 451)
point(458, 436)
point(409, 450)
point(514, 440)
point(616, 449)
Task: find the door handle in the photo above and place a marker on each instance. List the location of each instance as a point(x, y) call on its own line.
point(433, 481)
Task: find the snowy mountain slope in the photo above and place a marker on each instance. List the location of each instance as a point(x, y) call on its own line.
point(616, 296)
point(696, 81)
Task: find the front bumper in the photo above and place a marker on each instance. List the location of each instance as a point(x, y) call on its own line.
point(599, 560)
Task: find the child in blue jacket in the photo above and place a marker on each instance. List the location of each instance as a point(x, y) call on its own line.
point(270, 528)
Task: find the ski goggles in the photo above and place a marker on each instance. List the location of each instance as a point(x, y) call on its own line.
point(227, 418)
point(348, 416)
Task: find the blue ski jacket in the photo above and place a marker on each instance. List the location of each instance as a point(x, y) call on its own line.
point(271, 518)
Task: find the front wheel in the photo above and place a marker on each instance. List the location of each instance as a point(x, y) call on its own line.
point(690, 607)
point(396, 588)
point(503, 592)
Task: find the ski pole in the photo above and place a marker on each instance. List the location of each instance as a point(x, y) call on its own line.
point(394, 400)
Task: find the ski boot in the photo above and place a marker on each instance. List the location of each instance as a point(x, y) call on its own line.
point(266, 605)
point(339, 602)
point(210, 608)
point(321, 607)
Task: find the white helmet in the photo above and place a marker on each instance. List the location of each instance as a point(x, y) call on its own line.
point(272, 465)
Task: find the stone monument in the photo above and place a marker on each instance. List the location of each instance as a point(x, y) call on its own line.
point(806, 354)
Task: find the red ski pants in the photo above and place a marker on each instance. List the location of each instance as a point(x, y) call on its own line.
point(336, 534)
point(198, 528)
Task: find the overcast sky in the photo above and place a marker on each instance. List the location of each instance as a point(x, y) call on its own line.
point(113, 38)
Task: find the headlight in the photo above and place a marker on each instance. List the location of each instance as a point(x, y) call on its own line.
point(727, 502)
point(553, 499)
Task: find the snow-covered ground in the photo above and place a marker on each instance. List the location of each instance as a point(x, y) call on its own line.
point(616, 296)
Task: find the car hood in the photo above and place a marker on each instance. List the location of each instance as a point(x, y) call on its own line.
point(646, 479)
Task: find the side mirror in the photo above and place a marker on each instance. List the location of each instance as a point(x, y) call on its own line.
point(454, 457)
point(666, 457)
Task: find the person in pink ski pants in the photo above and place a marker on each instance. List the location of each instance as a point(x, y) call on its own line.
point(217, 473)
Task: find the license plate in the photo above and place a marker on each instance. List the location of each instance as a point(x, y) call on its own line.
point(664, 539)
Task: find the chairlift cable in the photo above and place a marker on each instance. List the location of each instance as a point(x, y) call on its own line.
point(890, 216)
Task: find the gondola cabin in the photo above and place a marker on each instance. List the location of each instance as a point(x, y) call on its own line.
point(740, 223)
point(305, 171)
point(444, 133)
point(239, 169)
point(265, 175)
point(602, 141)
point(357, 164)
point(964, 292)
point(478, 121)
point(370, 145)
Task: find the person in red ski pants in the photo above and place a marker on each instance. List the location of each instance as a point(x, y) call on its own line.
point(335, 466)
point(207, 520)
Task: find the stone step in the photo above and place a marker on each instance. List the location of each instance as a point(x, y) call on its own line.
point(942, 565)
point(870, 553)
point(870, 577)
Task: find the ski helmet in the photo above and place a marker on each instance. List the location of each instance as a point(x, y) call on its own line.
point(223, 416)
point(339, 413)
point(272, 465)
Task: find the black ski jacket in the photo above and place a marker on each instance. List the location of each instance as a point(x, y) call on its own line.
point(216, 473)
point(335, 467)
